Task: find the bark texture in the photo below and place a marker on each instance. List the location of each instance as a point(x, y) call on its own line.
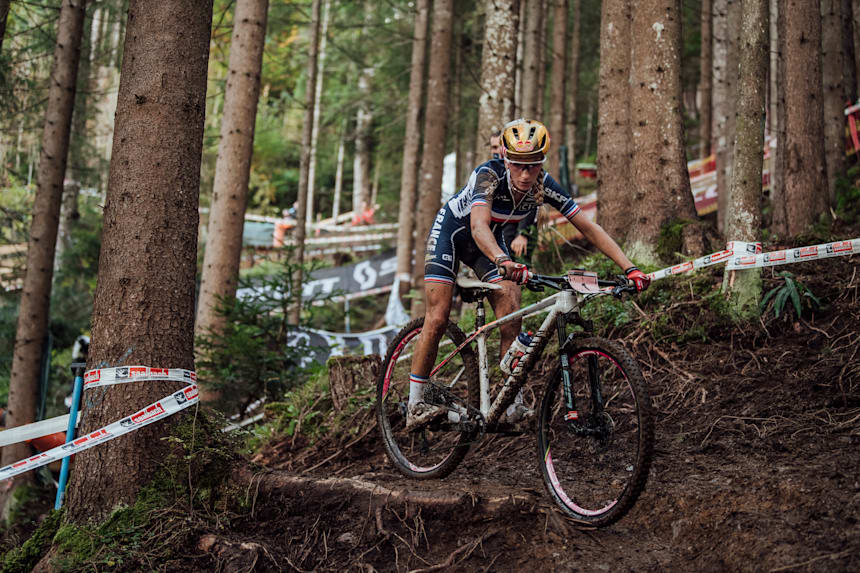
point(144, 302)
point(774, 109)
point(849, 73)
point(496, 106)
point(304, 165)
point(409, 171)
point(430, 185)
point(706, 61)
point(614, 151)
point(855, 11)
point(744, 222)
point(34, 308)
point(725, 147)
point(557, 88)
point(834, 95)
point(220, 272)
point(572, 89)
point(532, 60)
point(800, 151)
point(659, 165)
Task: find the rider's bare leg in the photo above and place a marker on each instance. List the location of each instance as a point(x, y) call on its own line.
point(504, 302)
point(437, 298)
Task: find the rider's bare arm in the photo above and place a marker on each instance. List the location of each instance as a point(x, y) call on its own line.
point(481, 233)
point(600, 239)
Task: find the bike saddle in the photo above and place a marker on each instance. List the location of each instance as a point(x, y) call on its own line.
point(472, 290)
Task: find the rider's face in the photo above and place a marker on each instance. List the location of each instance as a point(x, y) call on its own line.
point(523, 175)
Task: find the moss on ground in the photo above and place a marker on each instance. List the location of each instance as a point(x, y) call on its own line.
point(24, 558)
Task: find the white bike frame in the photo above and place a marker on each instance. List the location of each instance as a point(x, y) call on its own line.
point(559, 304)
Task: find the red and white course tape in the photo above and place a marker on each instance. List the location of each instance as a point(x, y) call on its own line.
point(739, 255)
point(167, 406)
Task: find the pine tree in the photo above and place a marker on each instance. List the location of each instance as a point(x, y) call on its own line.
point(144, 303)
point(744, 222)
point(430, 185)
point(34, 309)
point(614, 153)
point(409, 176)
point(220, 272)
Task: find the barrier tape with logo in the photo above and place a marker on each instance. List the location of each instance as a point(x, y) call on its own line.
point(739, 255)
point(167, 406)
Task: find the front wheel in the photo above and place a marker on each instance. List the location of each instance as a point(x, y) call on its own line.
point(595, 457)
point(435, 450)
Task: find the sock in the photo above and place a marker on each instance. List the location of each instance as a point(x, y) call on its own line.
point(416, 388)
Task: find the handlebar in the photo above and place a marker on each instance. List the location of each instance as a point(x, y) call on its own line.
point(616, 286)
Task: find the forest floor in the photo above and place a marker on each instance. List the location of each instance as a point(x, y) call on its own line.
point(757, 468)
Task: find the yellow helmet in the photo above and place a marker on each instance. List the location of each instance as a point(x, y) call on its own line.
point(525, 141)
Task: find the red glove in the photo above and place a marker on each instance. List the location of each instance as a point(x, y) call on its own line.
point(517, 272)
point(640, 279)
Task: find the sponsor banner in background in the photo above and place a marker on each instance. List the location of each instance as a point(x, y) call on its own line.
point(323, 345)
point(367, 275)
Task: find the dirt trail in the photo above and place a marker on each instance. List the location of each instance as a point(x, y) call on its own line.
point(757, 468)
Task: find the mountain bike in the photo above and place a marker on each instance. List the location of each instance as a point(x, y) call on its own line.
point(594, 424)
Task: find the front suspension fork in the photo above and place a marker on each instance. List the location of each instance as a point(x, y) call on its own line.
point(571, 413)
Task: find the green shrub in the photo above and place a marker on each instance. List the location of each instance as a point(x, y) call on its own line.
point(790, 290)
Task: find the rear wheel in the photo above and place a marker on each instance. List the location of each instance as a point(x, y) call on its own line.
point(595, 463)
point(435, 450)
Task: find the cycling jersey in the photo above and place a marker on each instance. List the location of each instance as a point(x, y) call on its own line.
point(450, 239)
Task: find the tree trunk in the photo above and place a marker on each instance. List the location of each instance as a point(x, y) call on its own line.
point(775, 110)
point(301, 208)
point(613, 122)
point(559, 71)
point(34, 308)
point(4, 13)
point(725, 147)
point(849, 74)
point(834, 94)
point(315, 133)
point(801, 150)
point(143, 311)
point(409, 172)
point(541, 88)
point(521, 50)
point(361, 161)
point(719, 97)
point(220, 273)
point(572, 90)
point(432, 155)
point(705, 76)
point(531, 63)
point(744, 224)
point(68, 215)
point(855, 12)
point(338, 174)
point(659, 165)
point(496, 106)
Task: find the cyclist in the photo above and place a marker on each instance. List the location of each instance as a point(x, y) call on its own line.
point(471, 228)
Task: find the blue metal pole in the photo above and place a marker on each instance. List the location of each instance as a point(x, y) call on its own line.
point(78, 369)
